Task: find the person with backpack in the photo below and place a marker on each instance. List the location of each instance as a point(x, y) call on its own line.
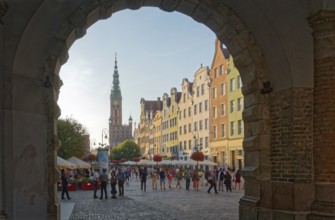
point(143, 178)
point(103, 184)
point(120, 181)
point(113, 184)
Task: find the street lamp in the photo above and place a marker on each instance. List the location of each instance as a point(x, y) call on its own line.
point(197, 147)
point(104, 135)
point(92, 144)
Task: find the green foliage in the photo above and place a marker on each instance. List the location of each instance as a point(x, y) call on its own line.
point(127, 149)
point(72, 140)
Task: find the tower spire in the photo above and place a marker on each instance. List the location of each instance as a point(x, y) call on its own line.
point(116, 91)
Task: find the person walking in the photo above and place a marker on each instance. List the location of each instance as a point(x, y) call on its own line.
point(65, 182)
point(143, 178)
point(95, 183)
point(195, 179)
point(207, 175)
point(113, 184)
point(238, 179)
point(221, 179)
point(170, 177)
point(154, 179)
point(178, 178)
point(162, 178)
point(103, 184)
point(187, 175)
point(120, 181)
point(227, 181)
point(212, 181)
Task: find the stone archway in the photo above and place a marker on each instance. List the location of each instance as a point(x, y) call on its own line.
point(278, 134)
point(247, 57)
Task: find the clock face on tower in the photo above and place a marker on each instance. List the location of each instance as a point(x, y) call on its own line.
point(115, 103)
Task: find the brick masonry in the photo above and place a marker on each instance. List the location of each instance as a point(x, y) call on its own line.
point(291, 113)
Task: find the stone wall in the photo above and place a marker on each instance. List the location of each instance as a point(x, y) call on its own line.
point(291, 114)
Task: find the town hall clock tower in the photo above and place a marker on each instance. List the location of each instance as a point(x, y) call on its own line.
point(117, 132)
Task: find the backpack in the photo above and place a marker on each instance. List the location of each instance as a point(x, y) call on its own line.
point(103, 178)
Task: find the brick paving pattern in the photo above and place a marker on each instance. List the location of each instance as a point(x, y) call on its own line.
point(156, 204)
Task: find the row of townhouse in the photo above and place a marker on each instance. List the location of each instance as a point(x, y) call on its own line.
point(206, 115)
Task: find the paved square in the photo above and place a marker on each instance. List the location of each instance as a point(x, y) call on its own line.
point(156, 204)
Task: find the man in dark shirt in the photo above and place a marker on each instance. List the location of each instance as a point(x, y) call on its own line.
point(65, 182)
point(143, 177)
point(162, 178)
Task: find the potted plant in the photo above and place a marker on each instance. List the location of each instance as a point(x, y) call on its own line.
point(87, 184)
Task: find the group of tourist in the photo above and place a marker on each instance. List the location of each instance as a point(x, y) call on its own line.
point(119, 176)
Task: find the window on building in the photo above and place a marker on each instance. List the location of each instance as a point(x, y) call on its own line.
point(216, 73)
point(232, 128)
point(201, 141)
point(223, 89)
point(214, 94)
point(184, 113)
point(179, 115)
point(195, 126)
point(232, 85)
point(206, 123)
point(239, 82)
point(180, 146)
point(200, 125)
point(185, 129)
point(189, 111)
point(189, 128)
point(172, 109)
point(184, 97)
point(223, 108)
point(195, 109)
point(189, 144)
point(200, 107)
point(206, 142)
point(221, 69)
point(239, 104)
point(198, 91)
point(214, 131)
point(214, 112)
point(206, 105)
point(202, 89)
point(185, 145)
point(232, 106)
point(239, 127)
point(223, 130)
point(180, 130)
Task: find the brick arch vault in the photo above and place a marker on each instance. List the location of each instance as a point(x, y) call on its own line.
point(290, 44)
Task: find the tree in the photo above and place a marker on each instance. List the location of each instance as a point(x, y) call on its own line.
point(127, 149)
point(72, 140)
point(90, 158)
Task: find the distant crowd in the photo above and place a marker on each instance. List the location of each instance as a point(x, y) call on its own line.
point(160, 178)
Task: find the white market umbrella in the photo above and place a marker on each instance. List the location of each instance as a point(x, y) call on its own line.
point(64, 164)
point(129, 163)
point(208, 163)
point(79, 163)
point(190, 162)
point(143, 162)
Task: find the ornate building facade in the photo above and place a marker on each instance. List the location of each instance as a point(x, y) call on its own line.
point(117, 131)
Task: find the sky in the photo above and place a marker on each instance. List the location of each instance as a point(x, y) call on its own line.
point(155, 50)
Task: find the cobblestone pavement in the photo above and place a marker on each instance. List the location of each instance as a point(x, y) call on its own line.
point(156, 204)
